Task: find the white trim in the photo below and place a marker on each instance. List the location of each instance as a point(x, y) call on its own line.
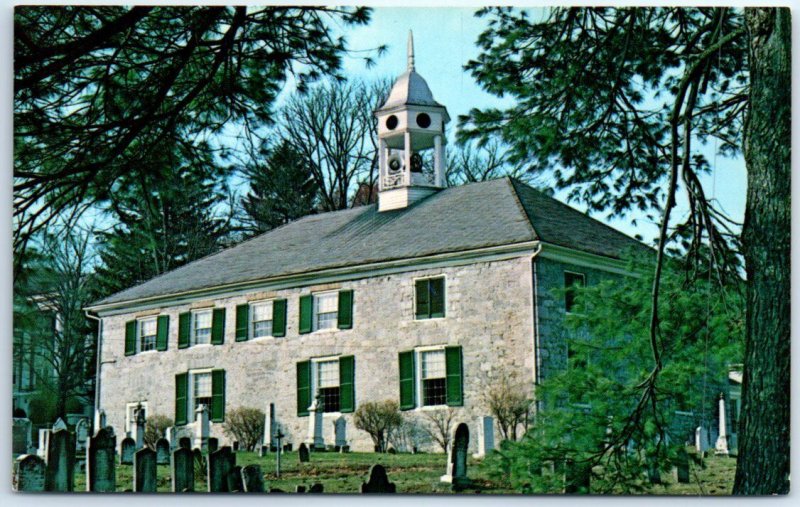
point(313, 378)
point(138, 333)
point(585, 259)
point(414, 297)
point(314, 313)
point(190, 408)
point(418, 376)
point(192, 326)
point(251, 322)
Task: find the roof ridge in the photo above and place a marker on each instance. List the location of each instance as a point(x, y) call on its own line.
point(511, 183)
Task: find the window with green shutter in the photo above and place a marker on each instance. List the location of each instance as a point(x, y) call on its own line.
point(303, 387)
point(217, 395)
point(407, 384)
point(181, 401)
point(306, 313)
point(162, 332)
point(345, 316)
point(130, 338)
point(242, 322)
point(218, 327)
point(184, 329)
point(455, 377)
point(429, 298)
point(279, 318)
point(347, 386)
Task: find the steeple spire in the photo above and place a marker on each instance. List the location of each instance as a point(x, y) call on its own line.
point(410, 51)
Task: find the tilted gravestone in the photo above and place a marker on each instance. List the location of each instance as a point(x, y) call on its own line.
point(577, 477)
point(302, 453)
point(60, 462)
point(213, 444)
point(182, 470)
point(127, 448)
point(162, 451)
point(457, 459)
point(29, 473)
point(252, 479)
point(235, 480)
point(21, 435)
point(100, 462)
point(185, 443)
point(682, 466)
point(59, 425)
point(378, 481)
point(220, 465)
point(144, 471)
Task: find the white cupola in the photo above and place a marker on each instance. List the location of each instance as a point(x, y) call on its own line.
point(411, 141)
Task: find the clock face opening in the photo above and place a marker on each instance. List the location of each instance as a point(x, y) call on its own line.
point(391, 122)
point(423, 120)
point(394, 165)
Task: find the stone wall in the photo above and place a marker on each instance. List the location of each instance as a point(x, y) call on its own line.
point(488, 313)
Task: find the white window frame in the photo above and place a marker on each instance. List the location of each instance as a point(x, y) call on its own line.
point(129, 408)
point(191, 395)
point(251, 321)
point(315, 313)
point(578, 273)
point(193, 326)
point(314, 380)
point(139, 328)
point(414, 298)
point(418, 376)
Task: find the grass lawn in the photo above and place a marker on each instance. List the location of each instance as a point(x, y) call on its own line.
point(412, 473)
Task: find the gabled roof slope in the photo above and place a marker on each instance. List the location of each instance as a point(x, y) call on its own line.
point(492, 213)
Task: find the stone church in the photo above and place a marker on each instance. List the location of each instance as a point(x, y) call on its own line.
point(424, 298)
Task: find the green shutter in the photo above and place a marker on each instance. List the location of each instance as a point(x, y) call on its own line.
point(455, 394)
point(162, 332)
point(345, 317)
point(306, 311)
point(130, 338)
point(218, 326)
point(184, 327)
point(279, 318)
point(347, 386)
point(436, 290)
point(407, 390)
point(423, 299)
point(303, 387)
point(242, 321)
point(218, 395)
point(181, 391)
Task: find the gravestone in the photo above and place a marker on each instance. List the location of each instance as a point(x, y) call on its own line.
point(182, 470)
point(100, 462)
point(701, 440)
point(302, 453)
point(682, 466)
point(99, 419)
point(162, 451)
point(378, 481)
point(213, 444)
point(299, 489)
point(44, 442)
point(220, 464)
point(60, 462)
point(315, 439)
point(263, 450)
point(29, 473)
point(202, 427)
point(252, 479)
point(139, 425)
point(127, 448)
point(316, 488)
point(457, 459)
point(339, 433)
point(235, 446)
point(391, 450)
point(144, 471)
point(59, 425)
point(721, 446)
point(21, 435)
point(235, 484)
point(577, 477)
point(81, 437)
point(185, 443)
point(485, 436)
point(270, 427)
point(653, 473)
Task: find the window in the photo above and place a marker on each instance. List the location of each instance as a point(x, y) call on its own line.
point(327, 385)
point(433, 378)
point(147, 334)
point(201, 327)
point(571, 281)
point(201, 390)
point(430, 298)
point(329, 379)
point(199, 387)
point(261, 324)
point(130, 419)
point(326, 310)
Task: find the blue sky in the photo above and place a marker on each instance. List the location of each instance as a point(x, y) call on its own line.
point(444, 39)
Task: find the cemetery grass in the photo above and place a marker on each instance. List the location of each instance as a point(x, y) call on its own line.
point(411, 473)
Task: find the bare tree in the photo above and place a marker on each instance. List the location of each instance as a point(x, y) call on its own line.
point(440, 424)
point(471, 161)
point(508, 403)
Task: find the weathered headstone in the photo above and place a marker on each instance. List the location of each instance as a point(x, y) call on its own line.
point(682, 466)
point(185, 443)
point(339, 433)
point(485, 436)
point(701, 440)
point(577, 477)
point(316, 488)
point(457, 459)
point(144, 471)
point(139, 425)
point(21, 435)
point(29, 473)
point(182, 469)
point(213, 444)
point(235, 484)
point(270, 427)
point(220, 465)
point(202, 427)
point(60, 461)
point(59, 425)
point(378, 481)
point(721, 447)
point(81, 436)
point(315, 439)
point(162, 451)
point(252, 479)
point(299, 489)
point(126, 451)
point(302, 453)
point(235, 446)
point(44, 442)
point(101, 466)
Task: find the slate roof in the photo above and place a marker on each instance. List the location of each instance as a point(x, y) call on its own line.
point(492, 213)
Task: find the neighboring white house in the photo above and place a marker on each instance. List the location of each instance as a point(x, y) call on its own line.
point(425, 298)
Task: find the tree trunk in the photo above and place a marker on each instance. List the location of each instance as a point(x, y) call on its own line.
point(763, 465)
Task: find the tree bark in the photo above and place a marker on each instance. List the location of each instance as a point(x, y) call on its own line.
point(763, 464)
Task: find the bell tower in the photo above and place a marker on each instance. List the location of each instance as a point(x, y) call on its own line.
point(411, 141)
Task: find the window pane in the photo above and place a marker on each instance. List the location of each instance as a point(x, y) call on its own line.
point(202, 327)
point(326, 320)
point(148, 327)
point(434, 391)
point(147, 335)
point(327, 303)
point(328, 374)
point(329, 397)
point(202, 385)
point(263, 328)
point(433, 365)
point(262, 311)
